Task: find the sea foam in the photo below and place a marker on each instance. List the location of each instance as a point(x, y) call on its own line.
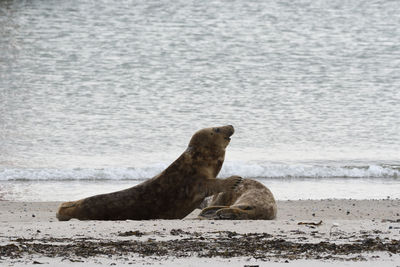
point(246, 170)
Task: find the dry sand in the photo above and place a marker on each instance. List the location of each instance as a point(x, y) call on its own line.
point(352, 232)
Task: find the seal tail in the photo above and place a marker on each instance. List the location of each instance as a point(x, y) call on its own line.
point(65, 210)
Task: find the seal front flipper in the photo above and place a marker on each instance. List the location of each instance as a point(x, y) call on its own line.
point(228, 184)
point(231, 183)
point(215, 186)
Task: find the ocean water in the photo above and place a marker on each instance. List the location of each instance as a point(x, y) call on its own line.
point(97, 96)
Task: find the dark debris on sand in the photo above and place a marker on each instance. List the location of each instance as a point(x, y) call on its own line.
point(226, 244)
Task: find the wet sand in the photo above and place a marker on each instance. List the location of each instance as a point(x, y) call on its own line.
point(306, 232)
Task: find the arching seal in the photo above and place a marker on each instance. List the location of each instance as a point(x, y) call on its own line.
point(250, 201)
point(172, 194)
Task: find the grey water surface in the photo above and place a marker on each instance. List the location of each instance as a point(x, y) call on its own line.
point(109, 89)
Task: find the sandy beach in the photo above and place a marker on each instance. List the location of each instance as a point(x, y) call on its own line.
point(101, 96)
point(306, 232)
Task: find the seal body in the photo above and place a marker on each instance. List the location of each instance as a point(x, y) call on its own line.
point(172, 194)
point(250, 201)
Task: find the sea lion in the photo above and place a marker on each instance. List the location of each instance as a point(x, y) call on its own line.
point(250, 201)
point(173, 193)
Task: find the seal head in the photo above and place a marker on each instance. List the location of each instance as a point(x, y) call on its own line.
point(212, 138)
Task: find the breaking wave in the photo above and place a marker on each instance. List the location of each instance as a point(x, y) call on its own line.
point(246, 170)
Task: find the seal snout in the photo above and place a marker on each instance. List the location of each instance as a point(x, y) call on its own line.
point(228, 130)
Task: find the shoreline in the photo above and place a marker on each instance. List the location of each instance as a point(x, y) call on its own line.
point(283, 189)
point(355, 231)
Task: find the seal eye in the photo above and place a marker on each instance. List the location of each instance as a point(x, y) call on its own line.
point(217, 130)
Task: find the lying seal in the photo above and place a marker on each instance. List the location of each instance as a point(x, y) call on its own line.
point(172, 194)
point(250, 201)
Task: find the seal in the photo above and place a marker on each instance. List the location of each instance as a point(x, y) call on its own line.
point(173, 193)
point(250, 201)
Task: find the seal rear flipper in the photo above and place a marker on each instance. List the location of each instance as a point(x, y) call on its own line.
point(231, 213)
point(210, 212)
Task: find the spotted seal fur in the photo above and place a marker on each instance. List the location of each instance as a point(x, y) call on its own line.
point(250, 201)
point(173, 193)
